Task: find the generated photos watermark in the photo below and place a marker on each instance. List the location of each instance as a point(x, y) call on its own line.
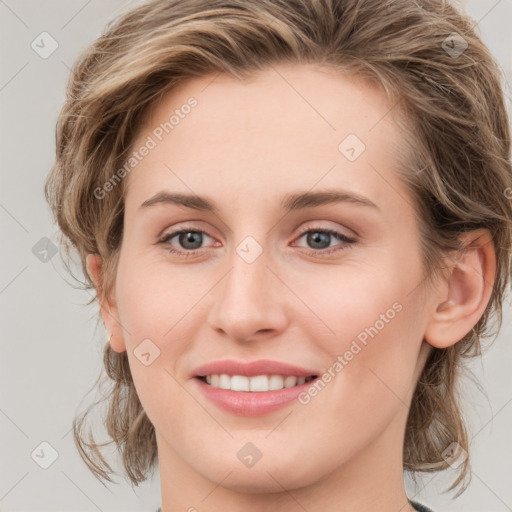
point(356, 346)
point(151, 142)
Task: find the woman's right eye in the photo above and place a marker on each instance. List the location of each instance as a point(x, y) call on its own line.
point(185, 236)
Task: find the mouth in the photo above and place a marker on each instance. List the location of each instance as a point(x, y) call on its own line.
point(253, 388)
point(256, 384)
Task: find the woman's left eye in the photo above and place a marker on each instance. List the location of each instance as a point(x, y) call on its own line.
point(191, 240)
point(320, 236)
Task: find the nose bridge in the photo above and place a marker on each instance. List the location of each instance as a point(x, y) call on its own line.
point(247, 300)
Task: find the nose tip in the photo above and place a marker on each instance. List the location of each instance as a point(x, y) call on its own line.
point(247, 303)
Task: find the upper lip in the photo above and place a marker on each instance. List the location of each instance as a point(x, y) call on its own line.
point(251, 369)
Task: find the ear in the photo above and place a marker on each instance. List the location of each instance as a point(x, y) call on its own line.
point(466, 291)
point(107, 305)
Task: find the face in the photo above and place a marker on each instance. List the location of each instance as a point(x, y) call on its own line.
point(271, 276)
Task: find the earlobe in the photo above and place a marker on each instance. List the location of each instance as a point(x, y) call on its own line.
point(108, 309)
point(465, 294)
point(117, 344)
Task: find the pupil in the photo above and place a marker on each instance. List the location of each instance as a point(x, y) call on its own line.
point(318, 238)
point(185, 238)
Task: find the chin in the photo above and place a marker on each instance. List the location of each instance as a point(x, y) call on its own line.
point(269, 476)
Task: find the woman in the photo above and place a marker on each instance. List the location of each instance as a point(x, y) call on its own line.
point(295, 218)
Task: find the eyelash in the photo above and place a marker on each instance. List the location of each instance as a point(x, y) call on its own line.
point(312, 252)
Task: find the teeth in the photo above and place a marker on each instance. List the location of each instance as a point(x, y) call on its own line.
point(276, 382)
point(260, 383)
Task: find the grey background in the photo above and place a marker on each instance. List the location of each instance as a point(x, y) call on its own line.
point(50, 348)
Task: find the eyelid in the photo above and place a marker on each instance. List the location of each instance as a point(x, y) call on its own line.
point(167, 235)
point(308, 227)
point(301, 230)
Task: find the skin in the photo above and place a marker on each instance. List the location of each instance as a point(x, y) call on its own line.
point(245, 146)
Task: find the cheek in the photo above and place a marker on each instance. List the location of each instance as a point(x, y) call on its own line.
point(377, 337)
point(158, 307)
point(369, 380)
point(154, 296)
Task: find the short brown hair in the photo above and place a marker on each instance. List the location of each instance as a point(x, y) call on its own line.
point(458, 167)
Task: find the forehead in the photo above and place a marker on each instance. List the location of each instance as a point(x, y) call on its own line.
point(285, 127)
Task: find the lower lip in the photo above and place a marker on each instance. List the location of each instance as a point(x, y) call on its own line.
point(251, 403)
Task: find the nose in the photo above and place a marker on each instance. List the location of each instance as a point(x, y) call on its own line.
point(249, 303)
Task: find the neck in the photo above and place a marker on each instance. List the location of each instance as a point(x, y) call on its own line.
point(371, 480)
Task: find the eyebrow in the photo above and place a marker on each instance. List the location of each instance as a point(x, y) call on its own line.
point(290, 202)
